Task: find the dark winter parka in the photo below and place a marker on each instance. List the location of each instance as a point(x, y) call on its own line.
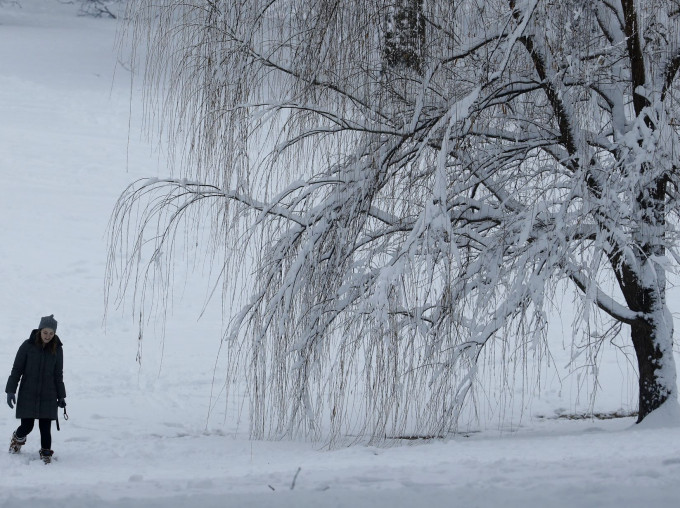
point(41, 372)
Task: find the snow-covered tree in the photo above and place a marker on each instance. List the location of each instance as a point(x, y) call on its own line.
point(410, 182)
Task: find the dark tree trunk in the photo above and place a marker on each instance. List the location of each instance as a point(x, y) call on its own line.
point(652, 334)
point(405, 35)
point(653, 390)
point(644, 290)
point(652, 331)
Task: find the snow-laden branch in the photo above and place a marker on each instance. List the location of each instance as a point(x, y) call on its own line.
point(604, 301)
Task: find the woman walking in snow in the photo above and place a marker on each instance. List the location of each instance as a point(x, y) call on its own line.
point(39, 366)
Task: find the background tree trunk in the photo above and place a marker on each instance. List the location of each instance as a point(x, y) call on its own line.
point(405, 35)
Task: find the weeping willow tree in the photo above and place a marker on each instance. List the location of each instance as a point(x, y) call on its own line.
point(401, 186)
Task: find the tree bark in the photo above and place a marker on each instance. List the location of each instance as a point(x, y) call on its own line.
point(645, 291)
point(405, 36)
point(654, 385)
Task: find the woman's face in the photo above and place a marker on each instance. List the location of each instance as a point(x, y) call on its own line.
point(46, 334)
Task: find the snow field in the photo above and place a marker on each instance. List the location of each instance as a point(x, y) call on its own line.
point(142, 436)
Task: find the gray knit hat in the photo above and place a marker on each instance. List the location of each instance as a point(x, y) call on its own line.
point(48, 322)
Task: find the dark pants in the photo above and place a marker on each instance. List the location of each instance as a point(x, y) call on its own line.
point(45, 426)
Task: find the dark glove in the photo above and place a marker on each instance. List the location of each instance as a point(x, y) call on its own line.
point(61, 403)
point(11, 400)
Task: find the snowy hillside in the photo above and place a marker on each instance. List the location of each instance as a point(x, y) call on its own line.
point(158, 433)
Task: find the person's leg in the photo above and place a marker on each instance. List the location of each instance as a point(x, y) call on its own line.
point(19, 436)
point(25, 428)
point(45, 425)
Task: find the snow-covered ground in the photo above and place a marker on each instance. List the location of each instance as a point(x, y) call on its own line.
point(142, 436)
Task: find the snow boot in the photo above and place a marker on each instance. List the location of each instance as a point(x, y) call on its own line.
point(16, 443)
point(46, 455)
